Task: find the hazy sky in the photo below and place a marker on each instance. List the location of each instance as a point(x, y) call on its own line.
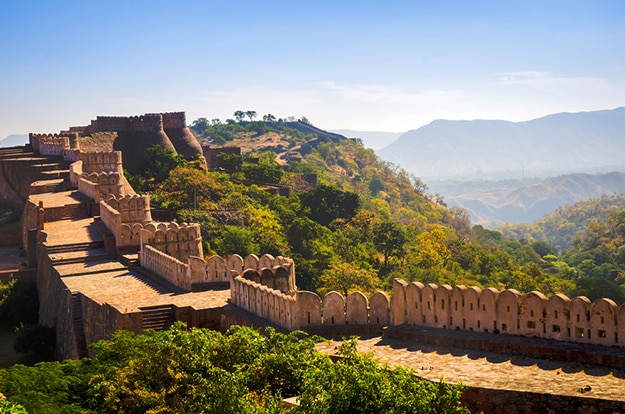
point(364, 65)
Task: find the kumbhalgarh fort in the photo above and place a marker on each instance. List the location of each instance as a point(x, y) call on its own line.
point(101, 263)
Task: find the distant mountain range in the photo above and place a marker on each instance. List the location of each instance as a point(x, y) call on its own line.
point(555, 144)
point(532, 201)
point(14, 140)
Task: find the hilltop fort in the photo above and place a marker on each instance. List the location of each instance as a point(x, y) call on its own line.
point(102, 263)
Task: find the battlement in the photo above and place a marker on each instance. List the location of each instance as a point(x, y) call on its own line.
point(174, 120)
point(132, 208)
point(508, 312)
point(96, 162)
point(139, 123)
point(180, 241)
point(97, 185)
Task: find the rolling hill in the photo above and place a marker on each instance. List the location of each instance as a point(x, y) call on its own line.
point(532, 201)
point(555, 144)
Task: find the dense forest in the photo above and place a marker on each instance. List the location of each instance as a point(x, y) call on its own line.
point(366, 221)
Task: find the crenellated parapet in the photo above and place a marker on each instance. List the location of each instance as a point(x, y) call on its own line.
point(306, 309)
point(50, 144)
point(509, 312)
point(101, 162)
point(132, 208)
point(107, 182)
point(177, 240)
point(174, 120)
point(274, 272)
point(140, 123)
point(98, 185)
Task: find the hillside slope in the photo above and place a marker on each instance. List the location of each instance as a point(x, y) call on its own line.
point(555, 144)
point(530, 202)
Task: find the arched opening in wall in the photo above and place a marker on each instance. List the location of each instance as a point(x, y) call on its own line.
point(332, 320)
point(456, 305)
point(602, 320)
point(483, 308)
point(555, 328)
point(578, 317)
point(308, 318)
point(601, 333)
point(435, 319)
point(443, 304)
point(470, 306)
point(531, 324)
point(615, 338)
point(518, 325)
point(429, 305)
point(478, 324)
point(588, 333)
point(423, 319)
point(464, 324)
point(555, 314)
point(579, 332)
point(504, 327)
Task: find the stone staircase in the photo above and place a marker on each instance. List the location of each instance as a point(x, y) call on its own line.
point(78, 253)
point(159, 317)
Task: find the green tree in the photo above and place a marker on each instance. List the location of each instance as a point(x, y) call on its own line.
point(251, 115)
point(327, 203)
point(346, 277)
point(389, 239)
point(159, 161)
point(376, 184)
point(358, 383)
point(262, 173)
point(190, 188)
point(199, 125)
point(239, 115)
point(231, 163)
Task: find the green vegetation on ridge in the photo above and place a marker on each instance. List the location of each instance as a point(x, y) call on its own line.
point(365, 222)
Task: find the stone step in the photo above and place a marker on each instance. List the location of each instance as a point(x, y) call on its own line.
point(158, 318)
point(75, 247)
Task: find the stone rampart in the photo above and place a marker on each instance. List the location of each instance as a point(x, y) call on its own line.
point(132, 208)
point(178, 240)
point(268, 303)
point(166, 266)
point(141, 123)
point(101, 162)
point(89, 188)
point(509, 312)
point(106, 183)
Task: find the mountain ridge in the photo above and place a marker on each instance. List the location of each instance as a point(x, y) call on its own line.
point(554, 144)
point(531, 202)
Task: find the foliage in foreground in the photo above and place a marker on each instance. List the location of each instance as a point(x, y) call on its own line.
point(203, 371)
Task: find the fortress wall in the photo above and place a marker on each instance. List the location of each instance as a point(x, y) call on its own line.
point(89, 188)
point(265, 302)
point(506, 312)
point(101, 162)
point(111, 218)
point(174, 120)
point(50, 144)
point(169, 268)
point(16, 176)
point(132, 208)
point(107, 182)
point(179, 240)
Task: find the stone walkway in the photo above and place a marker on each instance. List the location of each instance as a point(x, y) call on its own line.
point(492, 370)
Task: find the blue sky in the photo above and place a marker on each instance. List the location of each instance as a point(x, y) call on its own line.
point(366, 65)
